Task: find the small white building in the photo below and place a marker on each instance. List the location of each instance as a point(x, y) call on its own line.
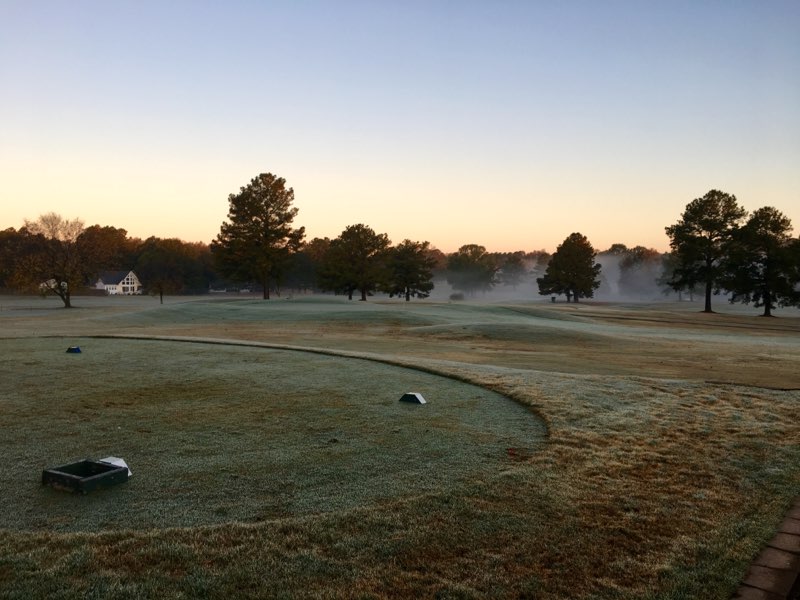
point(119, 283)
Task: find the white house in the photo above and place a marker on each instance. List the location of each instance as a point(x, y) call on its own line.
point(119, 283)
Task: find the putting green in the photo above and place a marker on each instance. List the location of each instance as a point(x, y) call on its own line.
point(220, 433)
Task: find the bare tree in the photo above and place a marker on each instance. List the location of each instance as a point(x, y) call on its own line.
point(56, 266)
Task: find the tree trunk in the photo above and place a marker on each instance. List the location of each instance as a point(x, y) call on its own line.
point(64, 295)
point(363, 294)
point(161, 296)
point(709, 286)
point(707, 307)
point(349, 294)
point(265, 293)
point(766, 290)
point(408, 294)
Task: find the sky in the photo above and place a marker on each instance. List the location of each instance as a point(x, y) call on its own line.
point(509, 124)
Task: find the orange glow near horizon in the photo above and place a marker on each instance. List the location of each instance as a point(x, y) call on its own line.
point(606, 121)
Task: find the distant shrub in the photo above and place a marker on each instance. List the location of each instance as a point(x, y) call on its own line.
point(457, 296)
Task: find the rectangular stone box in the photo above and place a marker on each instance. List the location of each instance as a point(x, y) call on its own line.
point(84, 476)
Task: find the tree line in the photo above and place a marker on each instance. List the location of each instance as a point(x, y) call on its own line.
point(715, 247)
point(60, 256)
point(259, 243)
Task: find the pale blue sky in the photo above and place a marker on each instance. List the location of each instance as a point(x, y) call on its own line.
point(507, 124)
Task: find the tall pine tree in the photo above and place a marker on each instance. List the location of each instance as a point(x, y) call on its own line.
point(700, 242)
point(257, 240)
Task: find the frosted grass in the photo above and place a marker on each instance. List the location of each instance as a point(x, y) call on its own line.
point(216, 433)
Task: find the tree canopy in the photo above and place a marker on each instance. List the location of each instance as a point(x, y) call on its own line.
point(571, 270)
point(639, 271)
point(304, 267)
point(107, 249)
point(472, 269)
point(257, 240)
point(700, 240)
point(12, 249)
point(763, 262)
point(410, 270)
point(171, 266)
point(356, 260)
point(55, 263)
point(513, 269)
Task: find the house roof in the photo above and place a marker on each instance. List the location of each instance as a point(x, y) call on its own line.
point(113, 277)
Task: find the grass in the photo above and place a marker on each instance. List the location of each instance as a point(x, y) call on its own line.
point(221, 433)
point(668, 460)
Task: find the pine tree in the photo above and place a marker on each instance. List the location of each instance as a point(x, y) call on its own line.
point(410, 270)
point(256, 242)
point(571, 270)
point(700, 241)
point(355, 261)
point(762, 264)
